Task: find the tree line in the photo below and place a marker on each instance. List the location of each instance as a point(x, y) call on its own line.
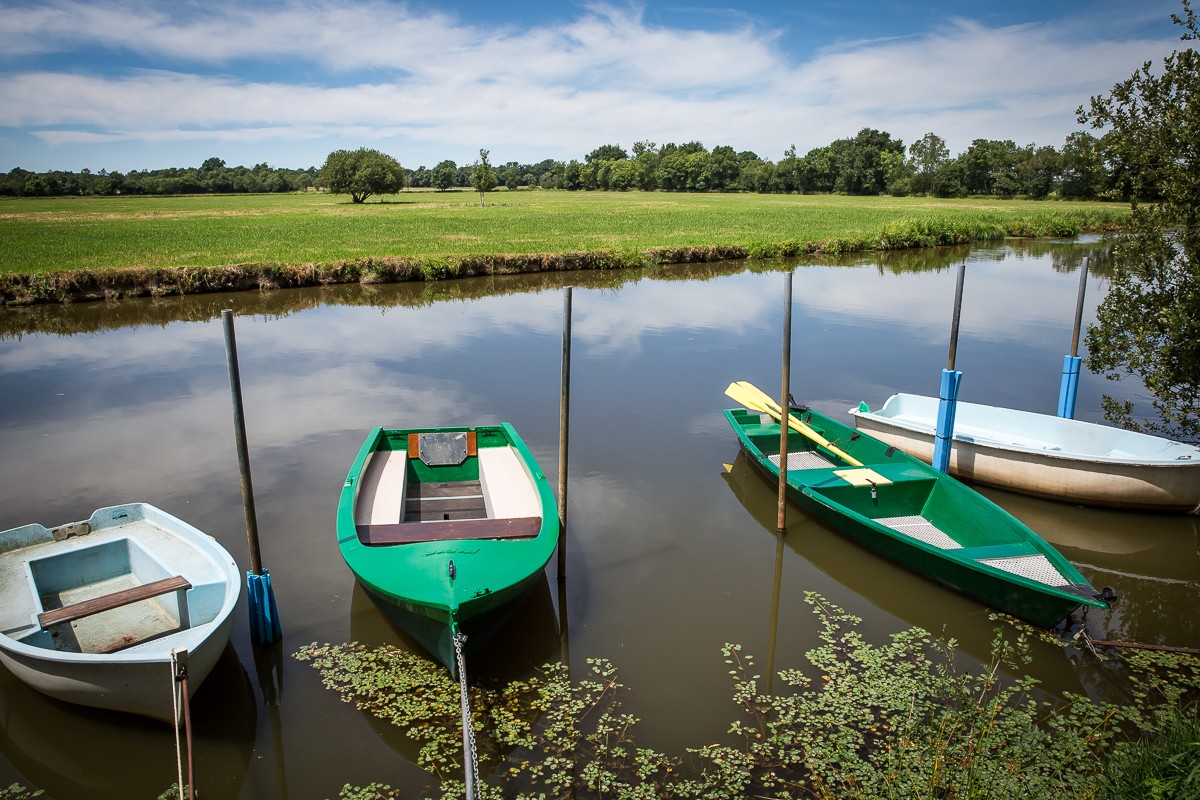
point(211, 177)
point(870, 163)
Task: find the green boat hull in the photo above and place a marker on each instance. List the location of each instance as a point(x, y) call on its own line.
point(447, 548)
point(918, 517)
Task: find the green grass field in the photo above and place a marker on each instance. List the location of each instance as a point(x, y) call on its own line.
point(51, 235)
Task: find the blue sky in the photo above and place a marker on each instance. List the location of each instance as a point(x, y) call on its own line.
point(144, 84)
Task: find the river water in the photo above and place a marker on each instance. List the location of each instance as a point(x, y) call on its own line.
point(670, 554)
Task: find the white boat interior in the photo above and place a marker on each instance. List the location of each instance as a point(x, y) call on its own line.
point(117, 589)
point(1024, 430)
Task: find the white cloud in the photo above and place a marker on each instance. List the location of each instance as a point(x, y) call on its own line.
point(378, 71)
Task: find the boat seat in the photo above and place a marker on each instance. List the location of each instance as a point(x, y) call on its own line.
point(444, 500)
point(108, 602)
point(1035, 568)
point(804, 459)
point(449, 530)
point(921, 529)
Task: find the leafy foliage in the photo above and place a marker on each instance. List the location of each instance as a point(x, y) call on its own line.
point(1148, 326)
point(361, 173)
point(483, 177)
point(897, 720)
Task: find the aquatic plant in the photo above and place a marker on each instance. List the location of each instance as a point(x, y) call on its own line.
point(863, 720)
point(18, 792)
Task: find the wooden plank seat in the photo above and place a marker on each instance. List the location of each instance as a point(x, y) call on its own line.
point(107, 602)
point(449, 530)
point(449, 500)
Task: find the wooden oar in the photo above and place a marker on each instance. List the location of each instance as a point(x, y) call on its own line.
point(756, 399)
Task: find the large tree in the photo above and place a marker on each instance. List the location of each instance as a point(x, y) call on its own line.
point(442, 176)
point(1148, 325)
point(928, 154)
point(361, 173)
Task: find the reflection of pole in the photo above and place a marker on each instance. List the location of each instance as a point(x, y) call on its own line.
point(774, 633)
point(785, 405)
point(268, 667)
point(948, 395)
point(564, 639)
point(564, 430)
point(1069, 387)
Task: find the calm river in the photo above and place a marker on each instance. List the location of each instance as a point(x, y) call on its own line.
point(670, 556)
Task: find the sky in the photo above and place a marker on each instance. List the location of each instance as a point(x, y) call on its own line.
point(145, 84)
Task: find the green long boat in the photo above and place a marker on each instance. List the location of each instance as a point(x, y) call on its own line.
point(910, 513)
point(446, 529)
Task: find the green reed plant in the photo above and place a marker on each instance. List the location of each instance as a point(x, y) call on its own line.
point(1162, 766)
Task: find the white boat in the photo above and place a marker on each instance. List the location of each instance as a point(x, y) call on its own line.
point(92, 612)
point(1045, 456)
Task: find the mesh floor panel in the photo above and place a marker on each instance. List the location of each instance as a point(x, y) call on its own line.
point(1036, 568)
point(921, 529)
point(804, 460)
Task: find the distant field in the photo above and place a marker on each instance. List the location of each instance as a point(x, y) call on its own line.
point(56, 234)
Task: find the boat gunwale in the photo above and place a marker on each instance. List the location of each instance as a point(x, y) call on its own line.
point(1132, 460)
point(194, 636)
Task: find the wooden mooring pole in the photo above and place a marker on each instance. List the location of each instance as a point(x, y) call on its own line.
point(785, 406)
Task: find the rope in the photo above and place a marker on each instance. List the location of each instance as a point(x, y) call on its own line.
point(180, 702)
point(175, 704)
point(470, 758)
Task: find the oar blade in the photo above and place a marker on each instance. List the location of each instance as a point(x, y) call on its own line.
point(755, 399)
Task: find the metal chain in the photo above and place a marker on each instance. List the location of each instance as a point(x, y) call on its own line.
point(468, 727)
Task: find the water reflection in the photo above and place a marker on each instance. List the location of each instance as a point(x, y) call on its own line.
point(91, 317)
point(890, 589)
point(105, 403)
point(72, 751)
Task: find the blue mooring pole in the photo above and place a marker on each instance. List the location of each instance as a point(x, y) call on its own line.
point(1069, 387)
point(948, 394)
point(264, 616)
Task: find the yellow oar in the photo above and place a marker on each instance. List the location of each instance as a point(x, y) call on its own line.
point(756, 399)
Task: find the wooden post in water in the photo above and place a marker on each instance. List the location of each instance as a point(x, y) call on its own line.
point(264, 615)
point(564, 430)
point(948, 394)
point(1069, 388)
point(785, 406)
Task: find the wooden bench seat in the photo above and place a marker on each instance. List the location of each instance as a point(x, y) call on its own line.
point(108, 602)
point(449, 530)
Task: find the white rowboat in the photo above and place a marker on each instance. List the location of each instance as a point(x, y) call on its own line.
point(91, 612)
point(1045, 456)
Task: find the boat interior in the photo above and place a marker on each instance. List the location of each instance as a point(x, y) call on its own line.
point(445, 486)
point(111, 596)
point(901, 497)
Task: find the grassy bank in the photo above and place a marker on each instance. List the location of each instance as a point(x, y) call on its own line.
point(59, 249)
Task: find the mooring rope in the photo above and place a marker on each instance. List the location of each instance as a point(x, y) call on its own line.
point(470, 758)
point(181, 707)
point(175, 688)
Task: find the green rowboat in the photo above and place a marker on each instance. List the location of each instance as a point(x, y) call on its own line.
point(446, 529)
point(908, 512)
